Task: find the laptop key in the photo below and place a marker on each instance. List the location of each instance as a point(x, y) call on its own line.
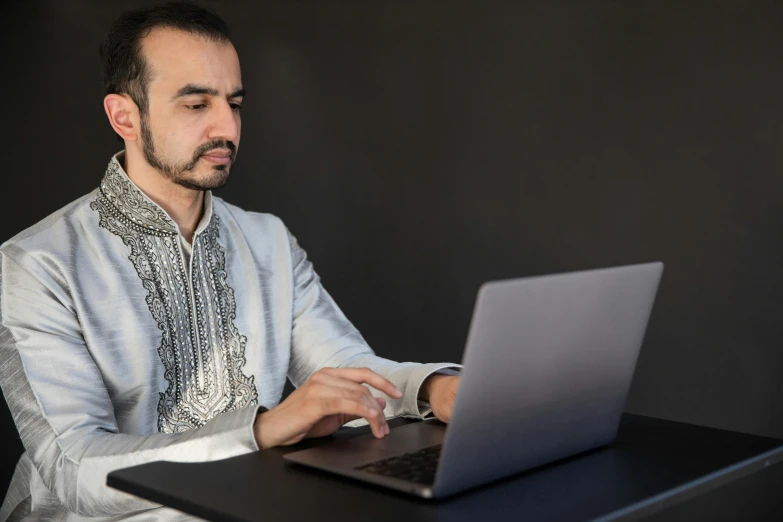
point(418, 466)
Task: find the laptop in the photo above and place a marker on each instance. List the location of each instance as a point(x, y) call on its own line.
point(547, 368)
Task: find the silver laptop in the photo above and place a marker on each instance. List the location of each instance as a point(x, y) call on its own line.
point(547, 368)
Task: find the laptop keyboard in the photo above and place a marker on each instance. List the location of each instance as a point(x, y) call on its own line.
point(418, 466)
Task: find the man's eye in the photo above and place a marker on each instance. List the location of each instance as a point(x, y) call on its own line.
point(236, 106)
point(195, 107)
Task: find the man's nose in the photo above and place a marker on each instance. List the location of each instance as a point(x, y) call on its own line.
point(225, 125)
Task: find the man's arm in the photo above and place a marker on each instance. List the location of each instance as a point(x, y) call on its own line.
point(62, 408)
point(323, 337)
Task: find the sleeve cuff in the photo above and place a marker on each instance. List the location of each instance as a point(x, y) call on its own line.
point(258, 411)
point(412, 406)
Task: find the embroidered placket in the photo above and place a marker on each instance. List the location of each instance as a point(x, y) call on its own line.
point(201, 349)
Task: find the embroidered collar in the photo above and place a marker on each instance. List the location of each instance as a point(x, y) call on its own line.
point(136, 209)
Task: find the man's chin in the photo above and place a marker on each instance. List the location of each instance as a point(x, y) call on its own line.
point(213, 181)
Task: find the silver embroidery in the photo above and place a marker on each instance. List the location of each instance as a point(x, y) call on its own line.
point(201, 349)
point(132, 204)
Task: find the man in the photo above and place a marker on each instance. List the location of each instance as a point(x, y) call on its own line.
point(150, 320)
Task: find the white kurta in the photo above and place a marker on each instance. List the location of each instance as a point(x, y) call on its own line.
point(118, 348)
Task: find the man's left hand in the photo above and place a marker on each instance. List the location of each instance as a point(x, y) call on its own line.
point(440, 391)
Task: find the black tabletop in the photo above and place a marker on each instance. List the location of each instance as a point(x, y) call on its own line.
point(655, 469)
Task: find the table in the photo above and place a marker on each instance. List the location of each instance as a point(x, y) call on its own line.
point(654, 470)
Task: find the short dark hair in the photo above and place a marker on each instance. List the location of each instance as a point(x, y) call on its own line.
point(123, 67)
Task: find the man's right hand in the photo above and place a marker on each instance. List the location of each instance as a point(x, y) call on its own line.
point(330, 398)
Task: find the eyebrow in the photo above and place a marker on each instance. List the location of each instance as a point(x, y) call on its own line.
point(191, 88)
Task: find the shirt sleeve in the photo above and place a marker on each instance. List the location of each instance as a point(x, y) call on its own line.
point(62, 408)
point(323, 337)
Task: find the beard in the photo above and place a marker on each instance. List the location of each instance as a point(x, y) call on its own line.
point(183, 173)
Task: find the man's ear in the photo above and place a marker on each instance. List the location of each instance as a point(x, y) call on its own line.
point(122, 113)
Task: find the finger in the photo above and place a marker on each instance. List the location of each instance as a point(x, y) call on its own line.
point(325, 385)
point(350, 418)
point(335, 381)
point(332, 406)
point(354, 387)
point(382, 403)
point(379, 423)
point(365, 376)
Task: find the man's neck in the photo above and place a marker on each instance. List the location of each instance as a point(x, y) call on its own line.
point(185, 206)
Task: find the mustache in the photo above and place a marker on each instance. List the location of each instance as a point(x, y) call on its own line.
point(216, 145)
point(208, 147)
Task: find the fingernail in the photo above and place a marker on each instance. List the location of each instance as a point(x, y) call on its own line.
point(398, 391)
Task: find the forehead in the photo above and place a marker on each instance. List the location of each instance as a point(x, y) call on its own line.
point(177, 58)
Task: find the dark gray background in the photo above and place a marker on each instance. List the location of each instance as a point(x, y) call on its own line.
point(419, 150)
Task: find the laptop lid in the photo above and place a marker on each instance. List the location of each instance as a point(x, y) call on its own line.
point(548, 365)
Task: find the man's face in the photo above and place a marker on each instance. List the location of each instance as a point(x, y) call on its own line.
point(187, 127)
